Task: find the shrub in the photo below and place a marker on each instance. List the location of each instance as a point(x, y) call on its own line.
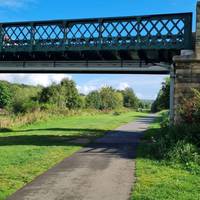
point(190, 108)
point(165, 119)
point(174, 145)
point(184, 152)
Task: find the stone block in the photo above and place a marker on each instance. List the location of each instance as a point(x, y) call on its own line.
point(182, 71)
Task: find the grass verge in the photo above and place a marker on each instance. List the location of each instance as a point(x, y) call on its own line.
point(166, 177)
point(30, 150)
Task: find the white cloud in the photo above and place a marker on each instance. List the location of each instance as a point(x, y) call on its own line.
point(95, 85)
point(144, 86)
point(15, 3)
point(34, 79)
point(122, 86)
point(85, 89)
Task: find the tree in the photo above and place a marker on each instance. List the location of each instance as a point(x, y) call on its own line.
point(63, 95)
point(5, 95)
point(23, 100)
point(50, 94)
point(145, 104)
point(110, 99)
point(93, 100)
point(129, 98)
point(163, 98)
point(119, 99)
point(70, 93)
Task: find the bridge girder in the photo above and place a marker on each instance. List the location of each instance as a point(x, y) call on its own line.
point(140, 39)
point(95, 67)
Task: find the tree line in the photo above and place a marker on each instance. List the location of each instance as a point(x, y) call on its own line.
point(20, 98)
point(162, 101)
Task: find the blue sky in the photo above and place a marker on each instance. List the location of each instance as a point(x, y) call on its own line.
point(22, 10)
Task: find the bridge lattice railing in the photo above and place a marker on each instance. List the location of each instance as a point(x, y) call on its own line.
point(171, 31)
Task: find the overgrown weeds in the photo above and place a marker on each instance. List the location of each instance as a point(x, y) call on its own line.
point(168, 162)
point(174, 145)
point(49, 112)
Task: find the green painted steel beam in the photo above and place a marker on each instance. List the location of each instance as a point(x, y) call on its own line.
point(152, 32)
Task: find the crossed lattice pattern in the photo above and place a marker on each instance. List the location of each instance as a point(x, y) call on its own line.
point(105, 33)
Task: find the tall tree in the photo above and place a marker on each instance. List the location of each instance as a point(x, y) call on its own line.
point(93, 100)
point(64, 94)
point(130, 100)
point(70, 93)
point(163, 98)
point(5, 95)
point(110, 99)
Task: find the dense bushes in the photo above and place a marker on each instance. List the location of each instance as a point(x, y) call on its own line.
point(176, 145)
point(179, 144)
point(190, 108)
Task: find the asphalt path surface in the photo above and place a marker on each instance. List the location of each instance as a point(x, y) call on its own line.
point(103, 170)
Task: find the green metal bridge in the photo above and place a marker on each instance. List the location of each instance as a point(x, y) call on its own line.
point(142, 44)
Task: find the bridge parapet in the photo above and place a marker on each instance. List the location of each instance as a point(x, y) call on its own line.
point(154, 32)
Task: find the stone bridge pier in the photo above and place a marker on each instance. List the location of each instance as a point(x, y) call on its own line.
point(185, 74)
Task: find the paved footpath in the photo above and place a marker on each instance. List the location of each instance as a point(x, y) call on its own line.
point(104, 170)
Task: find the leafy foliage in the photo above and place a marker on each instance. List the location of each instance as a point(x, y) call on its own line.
point(63, 95)
point(129, 99)
point(163, 98)
point(190, 108)
point(5, 95)
point(24, 99)
point(69, 93)
point(105, 99)
point(110, 99)
point(93, 100)
point(178, 144)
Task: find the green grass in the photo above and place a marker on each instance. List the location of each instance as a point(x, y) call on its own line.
point(30, 150)
point(160, 180)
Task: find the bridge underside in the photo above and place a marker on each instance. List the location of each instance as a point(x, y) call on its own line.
point(112, 61)
point(97, 67)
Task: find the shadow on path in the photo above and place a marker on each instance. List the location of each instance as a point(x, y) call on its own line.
point(103, 169)
point(119, 142)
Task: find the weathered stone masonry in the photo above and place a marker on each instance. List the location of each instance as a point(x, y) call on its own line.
point(187, 72)
point(187, 76)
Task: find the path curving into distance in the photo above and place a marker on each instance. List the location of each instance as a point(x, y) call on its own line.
point(104, 170)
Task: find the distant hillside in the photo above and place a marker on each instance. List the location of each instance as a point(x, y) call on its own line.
point(147, 101)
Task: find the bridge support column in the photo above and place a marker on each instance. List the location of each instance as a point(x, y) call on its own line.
point(187, 76)
point(187, 72)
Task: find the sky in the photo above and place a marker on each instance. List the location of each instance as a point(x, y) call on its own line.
point(145, 86)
